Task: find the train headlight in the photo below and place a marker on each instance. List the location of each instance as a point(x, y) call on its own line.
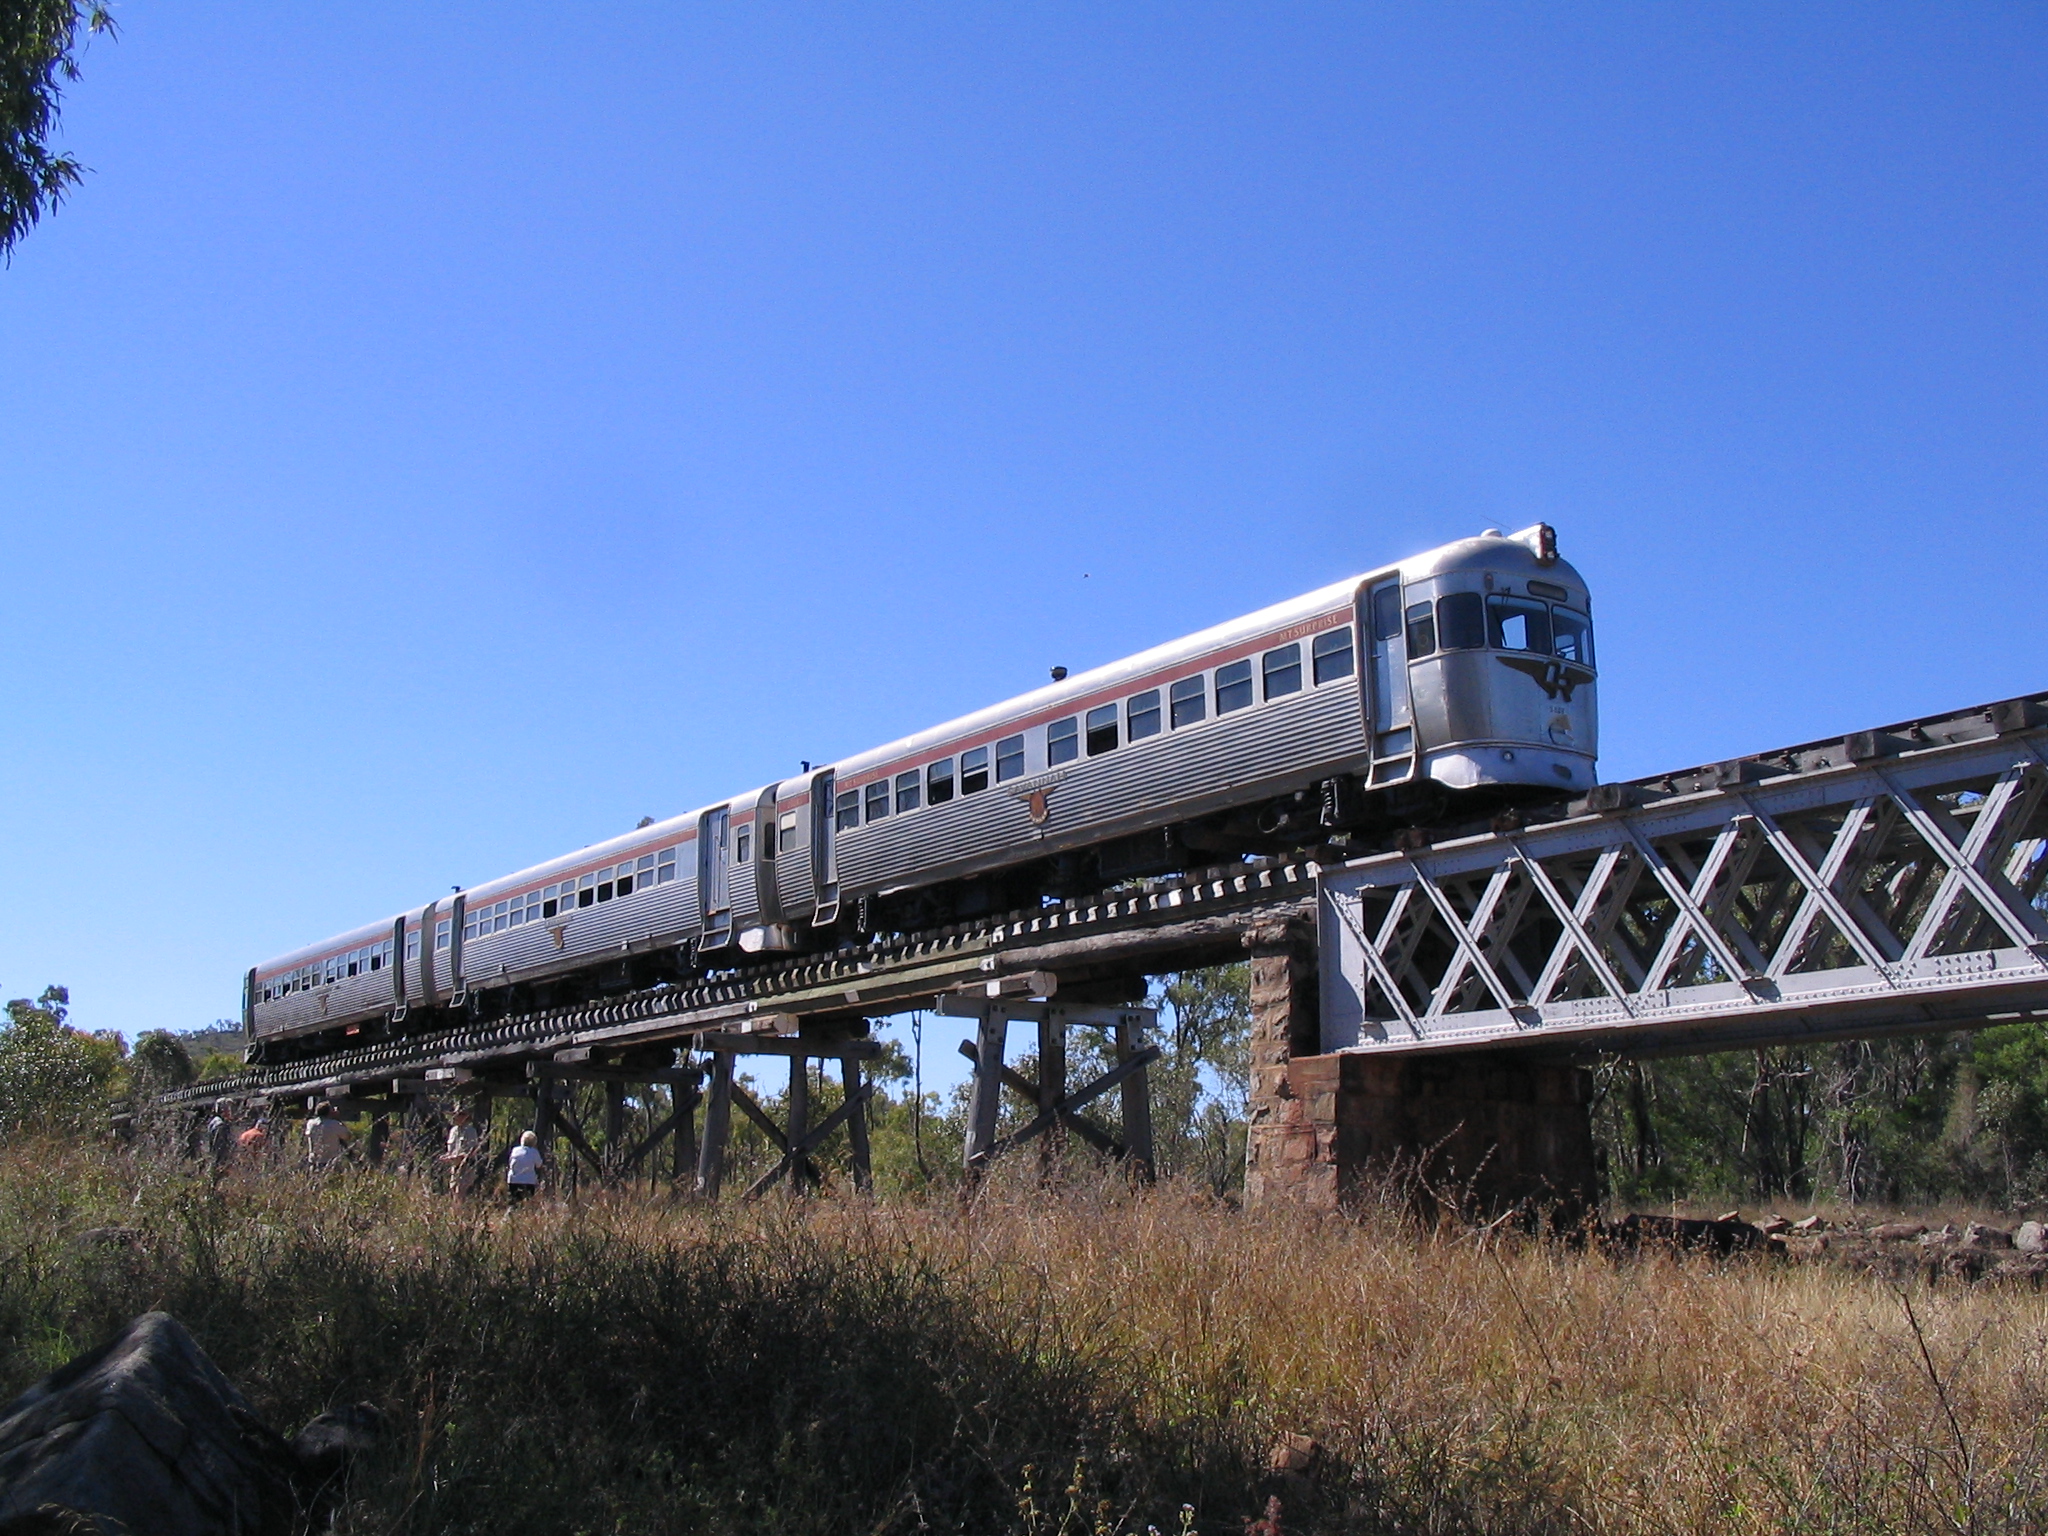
point(1542, 539)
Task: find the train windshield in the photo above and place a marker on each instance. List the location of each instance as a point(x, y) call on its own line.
point(1515, 624)
point(1518, 624)
point(1572, 636)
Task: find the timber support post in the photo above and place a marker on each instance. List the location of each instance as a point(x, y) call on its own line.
point(804, 1135)
point(627, 1084)
point(1056, 1106)
point(717, 1127)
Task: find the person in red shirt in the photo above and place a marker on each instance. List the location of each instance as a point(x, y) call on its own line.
point(253, 1145)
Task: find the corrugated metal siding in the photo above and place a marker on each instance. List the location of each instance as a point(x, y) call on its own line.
point(1236, 759)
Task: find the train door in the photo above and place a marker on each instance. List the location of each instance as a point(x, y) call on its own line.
point(458, 993)
point(824, 864)
point(1392, 711)
point(767, 876)
point(714, 862)
point(397, 970)
point(430, 940)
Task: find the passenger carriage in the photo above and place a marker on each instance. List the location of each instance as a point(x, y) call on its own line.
point(1455, 681)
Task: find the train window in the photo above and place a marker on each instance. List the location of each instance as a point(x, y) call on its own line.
point(501, 917)
point(1233, 686)
point(1421, 630)
point(586, 890)
point(1009, 758)
point(441, 932)
point(846, 810)
point(412, 945)
point(469, 929)
point(1518, 623)
point(1190, 701)
point(1102, 730)
point(665, 866)
point(1331, 654)
point(1282, 669)
point(742, 844)
point(938, 782)
point(909, 791)
point(1141, 715)
point(1572, 635)
point(548, 907)
point(1461, 622)
point(973, 770)
point(785, 832)
point(643, 870)
point(1063, 740)
point(878, 799)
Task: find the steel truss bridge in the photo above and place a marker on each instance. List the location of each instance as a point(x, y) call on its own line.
point(1890, 881)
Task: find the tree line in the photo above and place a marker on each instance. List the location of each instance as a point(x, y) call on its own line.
point(1915, 1121)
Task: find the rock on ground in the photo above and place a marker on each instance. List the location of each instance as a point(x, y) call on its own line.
point(144, 1434)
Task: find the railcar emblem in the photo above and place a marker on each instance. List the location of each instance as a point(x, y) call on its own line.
point(1036, 795)
point(1557, 679)
point(559, 932)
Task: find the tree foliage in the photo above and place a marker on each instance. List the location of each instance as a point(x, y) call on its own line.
point(53, 1077)
point(1887, 1122)
point(1199, 1086)
point(39, 46)
point(160, 1063)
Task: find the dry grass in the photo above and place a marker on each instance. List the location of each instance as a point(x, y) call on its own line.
point(854, 1367)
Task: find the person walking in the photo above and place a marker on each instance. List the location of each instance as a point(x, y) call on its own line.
point(522, 1169)
point(327, 1139)
point(465, 1144)
point(252, 1147)
point(219, 1138)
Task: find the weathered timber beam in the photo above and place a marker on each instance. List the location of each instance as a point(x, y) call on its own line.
point(760, 1117)
point(1011, 1078)
point(785, 1045)
point(1221, 930)
point(666, 1076)
point(812, 1140)
point(566, 1127)
point(652, 1139)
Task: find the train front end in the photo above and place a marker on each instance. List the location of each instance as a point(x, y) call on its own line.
point(1498, 638)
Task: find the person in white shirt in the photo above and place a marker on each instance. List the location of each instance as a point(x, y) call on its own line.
point(465, 1143)
point(326, 1139)
point(522, 1171)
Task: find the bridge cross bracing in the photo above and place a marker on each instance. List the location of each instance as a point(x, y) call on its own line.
point(1894, 883)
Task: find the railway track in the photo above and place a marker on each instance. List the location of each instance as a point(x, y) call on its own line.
point(876, 977)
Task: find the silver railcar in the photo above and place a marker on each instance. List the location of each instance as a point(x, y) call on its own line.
point(1463, 677)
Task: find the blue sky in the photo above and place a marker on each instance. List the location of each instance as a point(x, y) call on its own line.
point(436, 437)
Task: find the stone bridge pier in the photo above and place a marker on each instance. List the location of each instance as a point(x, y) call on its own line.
point(1476, 1131)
